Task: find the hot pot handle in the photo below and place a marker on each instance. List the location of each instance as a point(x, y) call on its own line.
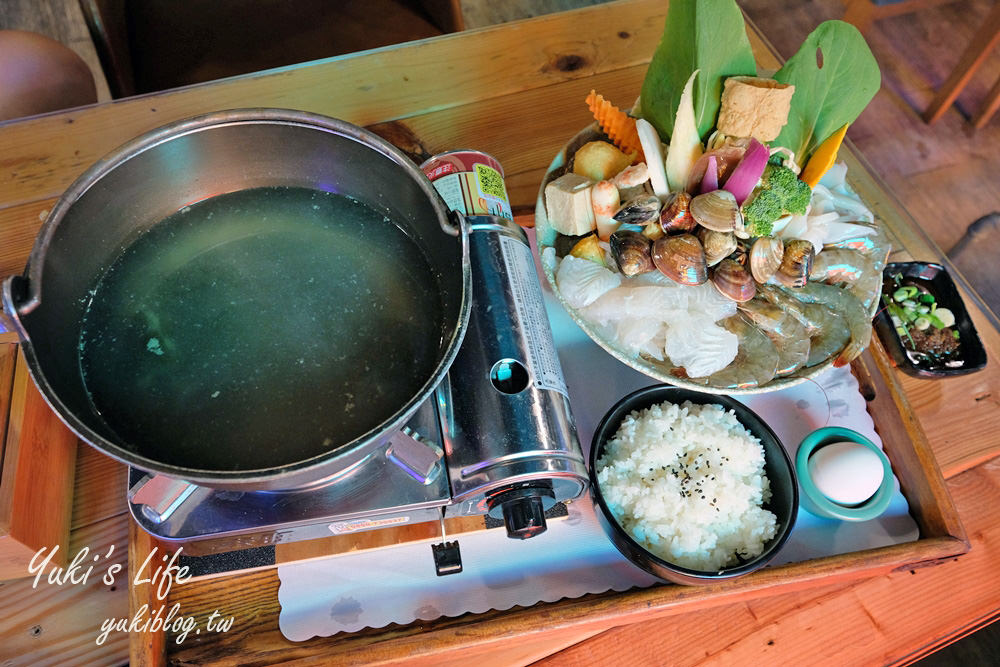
point(10, 320)
point(456, 223)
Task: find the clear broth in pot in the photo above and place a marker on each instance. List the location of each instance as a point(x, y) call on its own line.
point(260, 328)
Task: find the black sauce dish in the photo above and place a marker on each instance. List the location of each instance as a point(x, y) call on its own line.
point(784, 502)
point(934, 279)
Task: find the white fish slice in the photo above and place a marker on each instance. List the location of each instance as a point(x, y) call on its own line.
point(700, 346)
point(706, 301)
point(635, 335)
point(636, 301)
point(581, 281)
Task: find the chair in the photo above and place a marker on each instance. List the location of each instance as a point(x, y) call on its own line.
point(861, 13)
point(987, 37)
point(150, 45)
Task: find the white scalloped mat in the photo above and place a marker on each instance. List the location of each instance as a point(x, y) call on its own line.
point(349, 592)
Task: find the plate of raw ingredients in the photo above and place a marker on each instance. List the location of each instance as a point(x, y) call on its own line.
point(708, 238)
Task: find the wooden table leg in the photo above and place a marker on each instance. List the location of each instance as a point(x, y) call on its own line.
point(979, 48)
point(990, 106)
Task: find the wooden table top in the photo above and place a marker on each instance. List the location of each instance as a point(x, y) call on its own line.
point(515, 91)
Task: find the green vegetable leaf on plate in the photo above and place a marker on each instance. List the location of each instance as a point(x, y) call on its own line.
point(835, 76)
point(706, 35)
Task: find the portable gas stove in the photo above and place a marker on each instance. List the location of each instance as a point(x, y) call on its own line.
point(497, 438)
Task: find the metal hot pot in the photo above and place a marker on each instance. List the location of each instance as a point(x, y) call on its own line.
point(154, 176)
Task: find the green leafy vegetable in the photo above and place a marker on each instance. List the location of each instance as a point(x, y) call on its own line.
point(835, 76)
point(706, 35)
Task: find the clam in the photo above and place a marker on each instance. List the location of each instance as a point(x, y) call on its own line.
point(675, 218)
point(681, 258)
point(631, 251)
point(734, 281)
point(796, 264)
point(717, 245)
point(765, 257)
point(641, 210)
point(717, 210)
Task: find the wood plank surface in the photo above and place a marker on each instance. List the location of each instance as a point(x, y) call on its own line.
point(99, 493)
point(19, 225)
point(256, 639)
point(559, 61)
point(43, 155)
point(36, 484)
point(888, 620)
point(8, 362)
point(59, 624)
point(146, 648)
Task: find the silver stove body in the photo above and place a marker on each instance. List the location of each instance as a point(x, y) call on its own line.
point(496, 438)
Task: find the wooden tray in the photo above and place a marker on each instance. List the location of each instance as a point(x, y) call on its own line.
point(252, 598)
point(37, 458)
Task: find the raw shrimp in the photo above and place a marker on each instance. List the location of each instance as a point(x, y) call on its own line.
point(846, 305)
point(756, 359)
point(831, 333)
point(783, 300)
point(851, 268)
point(788, 335)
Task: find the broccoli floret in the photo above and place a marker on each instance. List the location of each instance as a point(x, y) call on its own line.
point(780, 192)
point(794, 194)
point(760, 211)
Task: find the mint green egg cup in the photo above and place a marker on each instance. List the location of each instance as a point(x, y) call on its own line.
point(813, 500)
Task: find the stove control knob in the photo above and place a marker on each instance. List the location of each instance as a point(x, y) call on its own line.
point(525, 517)
point(523, 508)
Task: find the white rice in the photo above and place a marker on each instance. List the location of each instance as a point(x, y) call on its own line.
point(687, 483)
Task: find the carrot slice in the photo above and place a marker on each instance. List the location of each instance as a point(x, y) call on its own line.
point(618, 125)
point(823, 158)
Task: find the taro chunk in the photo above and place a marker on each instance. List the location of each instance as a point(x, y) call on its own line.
point(599, 161)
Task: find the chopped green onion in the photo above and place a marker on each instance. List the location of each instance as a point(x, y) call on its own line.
point(955, 334)
point(900, 294)
point(927, 298)
point(921, 323)
point(923, 309)
point(946, 316)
